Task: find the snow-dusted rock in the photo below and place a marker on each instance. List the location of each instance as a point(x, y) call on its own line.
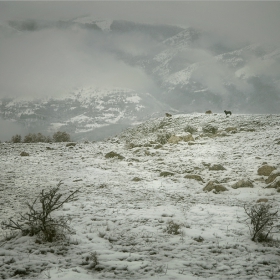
point(265, 170)
point(214, 185)
point(216, 167)
point(272, 176)
point(262, 200)
point(275, 184)
point(174, 139)
point(243, 184)
point(194, 177)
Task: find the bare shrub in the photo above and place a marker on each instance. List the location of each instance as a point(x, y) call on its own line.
point(209, 128)
point(35, 138)
point(60, 136)
point(191, 129)
point(261, 221)
point(173, 228)
point(38, 221)
point(162, 138)
point(16, 138)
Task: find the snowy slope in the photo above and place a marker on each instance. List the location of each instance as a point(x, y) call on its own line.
point(124, 205)
point(84, 111)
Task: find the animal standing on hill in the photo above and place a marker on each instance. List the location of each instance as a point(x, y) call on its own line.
point(168, 115)
point(227, 112)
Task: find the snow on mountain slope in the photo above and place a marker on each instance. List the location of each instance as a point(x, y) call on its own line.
point(125, 207)
point(84, 111)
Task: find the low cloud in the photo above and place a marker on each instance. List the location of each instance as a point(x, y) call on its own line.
point(9, 129)
point(52, 62)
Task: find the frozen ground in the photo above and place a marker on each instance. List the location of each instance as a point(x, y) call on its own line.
point(125, 206)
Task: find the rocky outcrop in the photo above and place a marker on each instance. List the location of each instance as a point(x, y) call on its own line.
point(24, 154)
point(166, 174)
point(262, 200)
point(231, 129)
point(176, 139)
point(214, 186)
point(243, 184)
point(113, 155)
point(273, 175)
point(216, 167)
point(274, 185)
point(194, 177)
point(265, 170)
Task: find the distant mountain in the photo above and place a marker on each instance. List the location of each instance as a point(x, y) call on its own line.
point(86, 113)
point(193, 71)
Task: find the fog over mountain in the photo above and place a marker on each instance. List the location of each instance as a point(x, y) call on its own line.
point(93, 68)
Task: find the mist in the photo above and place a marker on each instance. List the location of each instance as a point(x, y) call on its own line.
point(52, 62)
point(9, 129)
point(189, 56)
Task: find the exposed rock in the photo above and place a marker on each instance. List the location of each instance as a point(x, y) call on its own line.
point(71, 144)
point(216, 167)
point(193, 176)
point(168, 115)
point(274, 185)
point(136, 179)
point(214, 185)
point(24, 154)
point(166, 173)
point(113, 154)
point(262, 200)
point(243, 184)
point(198, 239)
point(231, 129)
point(208, 112)
point(187, 138)
point(175, 139)
point(265, 170)
point(158, 146)
point(272, 176)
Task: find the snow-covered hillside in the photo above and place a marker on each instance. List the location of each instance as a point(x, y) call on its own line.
point(88, 113)
point(130, 199)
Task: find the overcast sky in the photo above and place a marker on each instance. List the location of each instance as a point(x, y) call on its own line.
point(256, 20)
point(40, 63)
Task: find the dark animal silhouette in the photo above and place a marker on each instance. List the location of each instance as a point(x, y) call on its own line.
point(168, 115)
point(227, 112)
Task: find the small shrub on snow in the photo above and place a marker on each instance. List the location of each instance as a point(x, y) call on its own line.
point(38, 221)
point(113, 155)
point(93, 260)
point(191, 129)
point(16, 138)
point(262, 221)
point(162, 138)
point(209, 128)
point(60, 136)
point(173, 228)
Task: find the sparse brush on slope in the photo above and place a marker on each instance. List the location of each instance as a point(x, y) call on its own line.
point(38, 221)
point(262, 221)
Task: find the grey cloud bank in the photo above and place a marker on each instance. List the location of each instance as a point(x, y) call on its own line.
point(251, 20)
point(191, 56)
